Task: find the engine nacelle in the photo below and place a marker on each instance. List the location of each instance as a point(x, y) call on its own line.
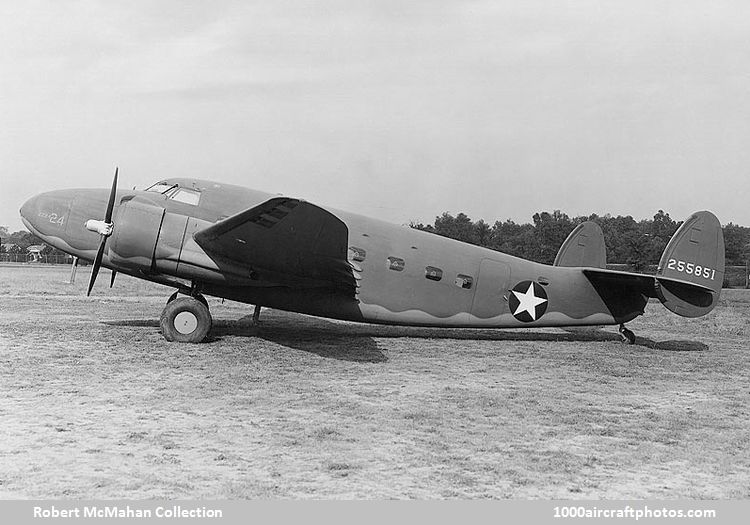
point(149, 238)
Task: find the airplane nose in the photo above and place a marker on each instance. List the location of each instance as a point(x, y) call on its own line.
point(46, 213)
point(30, 208)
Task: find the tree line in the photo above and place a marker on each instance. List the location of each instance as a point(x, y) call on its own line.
point(19, 242)
point(637, 244)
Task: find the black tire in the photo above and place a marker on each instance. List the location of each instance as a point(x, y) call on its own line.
point(627, 336)
point(185, 320)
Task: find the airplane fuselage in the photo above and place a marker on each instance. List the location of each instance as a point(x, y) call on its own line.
point(403, 276)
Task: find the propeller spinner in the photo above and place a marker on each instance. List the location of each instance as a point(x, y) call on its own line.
point(105, 229)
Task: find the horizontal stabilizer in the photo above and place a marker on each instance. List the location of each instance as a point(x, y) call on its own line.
point(284, 237)
point(583, 247)
point(625, 292)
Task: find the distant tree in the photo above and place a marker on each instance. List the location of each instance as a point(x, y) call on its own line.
point(482, 233)
point(513, 239)
point(662, 226)
point(638, 244)
point(551, 231)
point(422, 227)
point(736, 238)
point(23, 239)
point(459, 227)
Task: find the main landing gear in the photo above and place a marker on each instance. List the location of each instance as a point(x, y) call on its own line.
point(627, 335)
point(185, 319)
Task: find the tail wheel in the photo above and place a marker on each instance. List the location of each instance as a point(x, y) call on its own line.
point(627, 335)
point(185, 320)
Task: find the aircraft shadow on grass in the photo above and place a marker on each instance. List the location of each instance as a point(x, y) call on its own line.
point(356, 343)
point(326, 339)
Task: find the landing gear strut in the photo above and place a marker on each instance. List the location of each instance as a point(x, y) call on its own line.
point(185, 319)
point(196, 296)
point(627, 335)
point(256, 315)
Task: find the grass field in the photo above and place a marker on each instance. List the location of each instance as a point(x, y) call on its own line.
point(95, 404)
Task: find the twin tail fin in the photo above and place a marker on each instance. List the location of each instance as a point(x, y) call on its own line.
point(688, 279)
point(691, 269)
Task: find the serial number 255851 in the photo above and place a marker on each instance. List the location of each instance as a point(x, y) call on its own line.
point(692, 269)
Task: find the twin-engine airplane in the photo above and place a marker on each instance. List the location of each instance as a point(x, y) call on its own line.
point(208, 238)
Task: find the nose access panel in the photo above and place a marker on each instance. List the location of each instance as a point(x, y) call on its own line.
point(137, 227)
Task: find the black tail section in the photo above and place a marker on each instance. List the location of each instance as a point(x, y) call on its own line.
point(688, 280)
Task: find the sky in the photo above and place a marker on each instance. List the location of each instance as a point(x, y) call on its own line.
point(395, 109)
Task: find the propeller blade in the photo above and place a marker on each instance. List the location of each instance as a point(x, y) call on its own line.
point(100, 251)
point(112, 279)
point(112, 195)
point(97, 265)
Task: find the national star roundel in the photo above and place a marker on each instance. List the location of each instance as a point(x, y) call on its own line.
point(527, 301)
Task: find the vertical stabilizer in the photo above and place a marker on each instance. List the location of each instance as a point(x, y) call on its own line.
point(694, 256)
point(583, 247)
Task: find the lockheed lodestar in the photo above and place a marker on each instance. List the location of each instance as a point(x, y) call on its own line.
point(208, 238)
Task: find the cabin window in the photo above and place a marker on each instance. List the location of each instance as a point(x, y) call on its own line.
point(433, 274)
point(185, 195)
point(396, 264)
point(464, 281)
point(357, 254)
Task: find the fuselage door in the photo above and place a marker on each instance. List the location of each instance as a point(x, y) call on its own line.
point(492, 285)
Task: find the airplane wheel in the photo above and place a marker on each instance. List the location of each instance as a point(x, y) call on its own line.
point(627, 335)
point(185, 320)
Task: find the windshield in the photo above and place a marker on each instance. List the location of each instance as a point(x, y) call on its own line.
point(176, 193)
point(161, 187)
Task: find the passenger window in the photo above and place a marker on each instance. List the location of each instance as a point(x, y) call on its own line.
point(185, 195)
point(433, 274)
point(464, 281)
point(357, 254)
point(396, 264)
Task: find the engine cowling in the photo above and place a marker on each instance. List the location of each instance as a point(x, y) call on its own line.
point(136, 232)
point(148, 237)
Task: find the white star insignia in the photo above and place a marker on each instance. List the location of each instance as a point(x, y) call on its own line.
point(527, 302)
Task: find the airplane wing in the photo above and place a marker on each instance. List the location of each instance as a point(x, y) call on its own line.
point(285, 237)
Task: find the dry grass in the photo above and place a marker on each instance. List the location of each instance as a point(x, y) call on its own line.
point(95, 404)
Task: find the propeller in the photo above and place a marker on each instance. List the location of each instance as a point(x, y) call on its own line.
point(103, 228)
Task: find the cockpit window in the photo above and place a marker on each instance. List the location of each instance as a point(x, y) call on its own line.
point(161, 187)
point(176, 193)
point(185, 195)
